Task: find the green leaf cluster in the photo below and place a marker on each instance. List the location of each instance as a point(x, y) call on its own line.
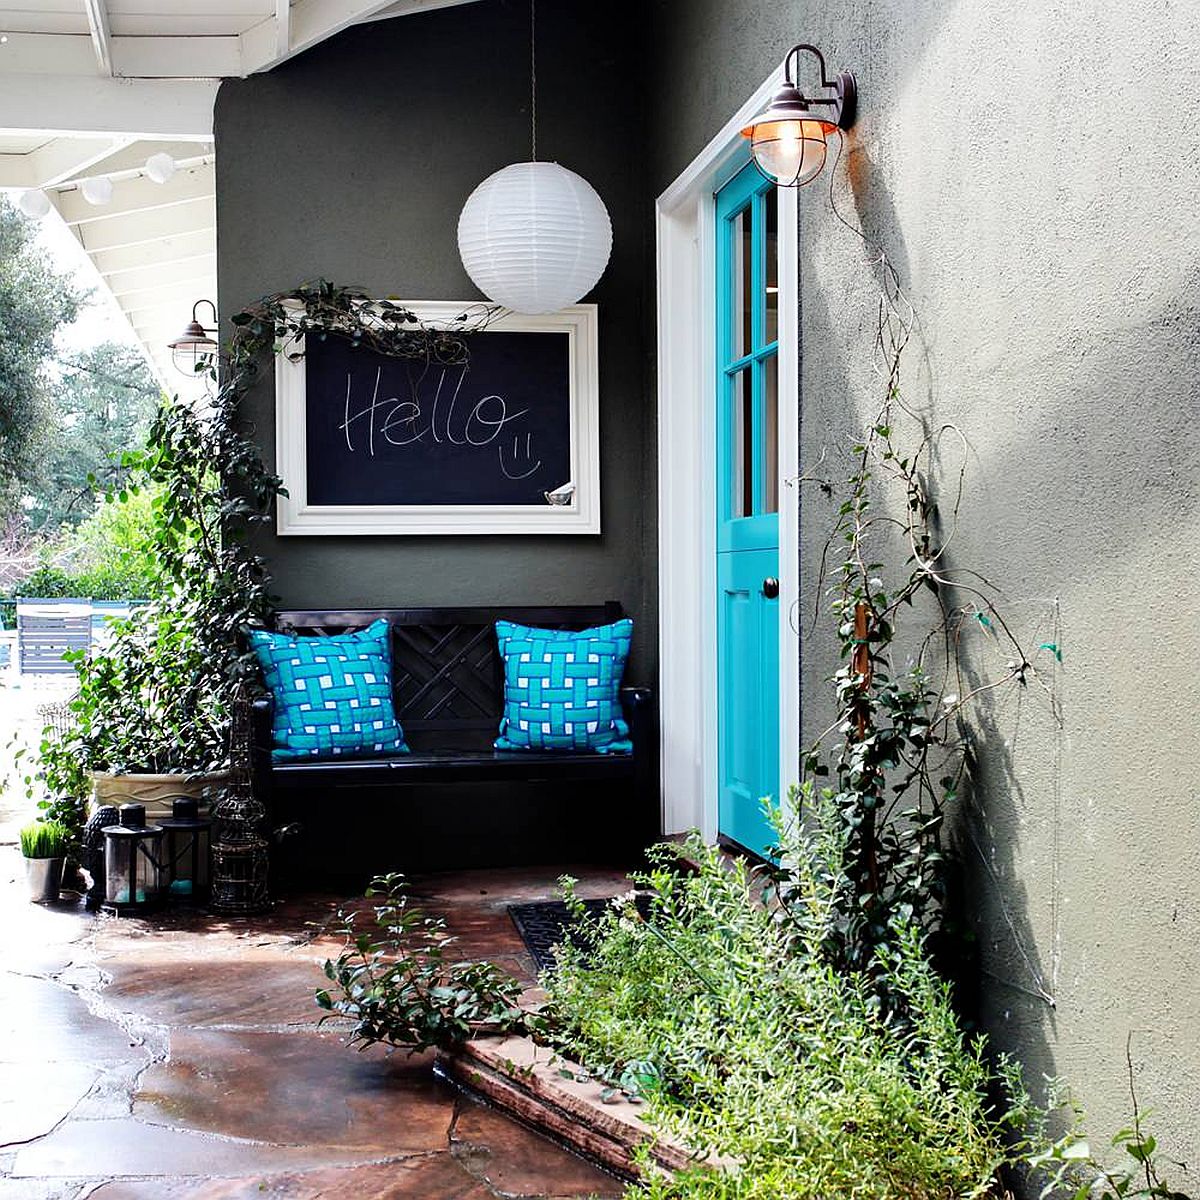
point(45, 839)
point(397, 982)
point(35, 302)
point(158, 699)
point(762, 1051)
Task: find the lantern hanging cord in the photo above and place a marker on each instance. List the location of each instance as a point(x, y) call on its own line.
point(533, 80)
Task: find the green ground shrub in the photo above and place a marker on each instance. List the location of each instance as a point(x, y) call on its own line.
point(744, 1039)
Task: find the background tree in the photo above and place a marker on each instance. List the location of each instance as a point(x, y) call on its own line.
point(35, 302)
point(104, 401)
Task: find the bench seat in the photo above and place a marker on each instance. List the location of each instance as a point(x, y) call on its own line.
point(454, 801)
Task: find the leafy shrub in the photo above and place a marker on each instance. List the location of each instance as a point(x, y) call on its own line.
point(45, 839)
point(752, 1045)
point(394, 982)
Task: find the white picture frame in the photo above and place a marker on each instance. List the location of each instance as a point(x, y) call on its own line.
point(296, 517)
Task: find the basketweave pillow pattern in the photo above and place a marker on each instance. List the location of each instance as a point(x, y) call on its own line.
point(333, 695)
point(562, 689)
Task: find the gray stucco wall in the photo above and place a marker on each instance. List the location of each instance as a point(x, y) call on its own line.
point(352, 162)
point(1043, 222)
point(1032, 171)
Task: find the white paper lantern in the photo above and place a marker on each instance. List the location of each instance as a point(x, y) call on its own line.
point(97, 190)
point(160, 167)
point(34, 203)
point(534, 237)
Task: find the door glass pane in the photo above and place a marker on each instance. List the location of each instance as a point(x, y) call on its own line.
point(741, 229)
point(770, 434)
point(741, 443)
point(771, 207)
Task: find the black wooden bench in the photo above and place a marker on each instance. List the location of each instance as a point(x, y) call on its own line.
point(455, 802)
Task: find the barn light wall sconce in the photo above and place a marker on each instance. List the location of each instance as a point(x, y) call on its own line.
point(788, 138)
point(193, 348)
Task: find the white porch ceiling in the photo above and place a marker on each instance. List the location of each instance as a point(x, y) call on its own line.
point(92, 88)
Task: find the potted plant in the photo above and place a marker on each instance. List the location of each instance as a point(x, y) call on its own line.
point(150, 721)
point(44, 845)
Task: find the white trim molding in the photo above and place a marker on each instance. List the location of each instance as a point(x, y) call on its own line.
point(686, 484)
point(295, 516)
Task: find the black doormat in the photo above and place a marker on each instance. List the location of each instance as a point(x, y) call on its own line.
point(543, 925)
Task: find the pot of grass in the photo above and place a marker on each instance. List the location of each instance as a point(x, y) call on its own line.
point(44, 845)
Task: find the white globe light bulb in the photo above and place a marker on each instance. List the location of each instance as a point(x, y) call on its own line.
point(160, 167)
point(534, 237)
point(97, 190)
point(34, 203)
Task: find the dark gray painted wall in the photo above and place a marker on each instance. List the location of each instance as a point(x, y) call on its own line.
point(1056, 284)
point(352, 162)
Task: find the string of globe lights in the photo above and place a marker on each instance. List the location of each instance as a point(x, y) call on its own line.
point(97, 190)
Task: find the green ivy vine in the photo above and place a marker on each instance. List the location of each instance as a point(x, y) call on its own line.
point(895, 759)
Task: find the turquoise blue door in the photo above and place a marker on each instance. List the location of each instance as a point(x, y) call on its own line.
point(747, 508)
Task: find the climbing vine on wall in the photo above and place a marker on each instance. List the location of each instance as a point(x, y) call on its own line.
point(896, 758)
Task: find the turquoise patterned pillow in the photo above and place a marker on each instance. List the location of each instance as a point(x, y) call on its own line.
point(562, 689)
point(333, 695)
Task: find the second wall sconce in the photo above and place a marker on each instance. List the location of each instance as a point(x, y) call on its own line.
point(788, 139)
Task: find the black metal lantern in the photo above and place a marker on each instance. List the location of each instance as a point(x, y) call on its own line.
point(132, 862)
point(788, 139)
point(186, 841)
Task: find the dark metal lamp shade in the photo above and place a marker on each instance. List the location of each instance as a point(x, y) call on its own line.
point(788, 139)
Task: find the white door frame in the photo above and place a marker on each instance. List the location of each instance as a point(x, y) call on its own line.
point(687, 561)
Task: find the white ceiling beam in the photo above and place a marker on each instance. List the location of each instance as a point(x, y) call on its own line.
point(161, 57)
point(138, 195)
point(311, 22)
point(65, 104)
point(154, 279)
point(97, 15)
point(404, 8)
point(57, 161)
point(156, 273)
point(71, 158)
point(133, 154)
point(51, 53)
point(283, 28)
point(136, 229)
point(181, 247)
point(159, 322)
point(177, 57)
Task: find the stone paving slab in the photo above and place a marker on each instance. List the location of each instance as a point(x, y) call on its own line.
point(514, 1161)
point(434, 1178)
point(180, 1059)
point(102, 1149)
point(268, 991)
point(298, 1089)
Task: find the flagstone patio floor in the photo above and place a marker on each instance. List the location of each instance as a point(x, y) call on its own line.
point(181, 1059)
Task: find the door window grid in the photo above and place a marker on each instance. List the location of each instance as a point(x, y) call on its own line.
point(749, 354)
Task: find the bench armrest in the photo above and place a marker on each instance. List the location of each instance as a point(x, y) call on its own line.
point(638, 703)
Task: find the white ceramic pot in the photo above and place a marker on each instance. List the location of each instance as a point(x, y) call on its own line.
point(44, 876)
point(157, 791)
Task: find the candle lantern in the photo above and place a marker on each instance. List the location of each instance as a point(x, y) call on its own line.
point(186, 840)
point(132, 862)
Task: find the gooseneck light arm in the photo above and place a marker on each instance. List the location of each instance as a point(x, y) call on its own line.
point(844, 85)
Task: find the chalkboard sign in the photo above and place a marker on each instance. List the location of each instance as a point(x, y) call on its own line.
point(506, 442)
point(495, 430)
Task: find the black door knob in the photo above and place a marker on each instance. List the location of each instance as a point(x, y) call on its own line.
point(770, 587)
